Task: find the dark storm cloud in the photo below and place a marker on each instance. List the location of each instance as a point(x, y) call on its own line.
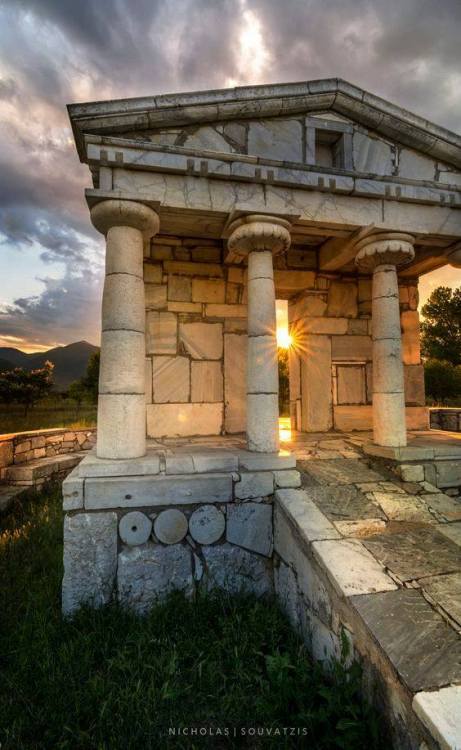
point(57, 51)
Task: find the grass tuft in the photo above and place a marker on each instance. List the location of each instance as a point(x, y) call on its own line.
point(110, 680)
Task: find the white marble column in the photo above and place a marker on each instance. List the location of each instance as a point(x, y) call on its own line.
point(258, 238)
point(381, 254)
point(121, 403)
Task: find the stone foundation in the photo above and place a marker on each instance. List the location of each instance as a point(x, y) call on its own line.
point(174, 520)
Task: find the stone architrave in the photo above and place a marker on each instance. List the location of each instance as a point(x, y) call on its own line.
point(258, 238)
point(121, 404)
point(381, 254)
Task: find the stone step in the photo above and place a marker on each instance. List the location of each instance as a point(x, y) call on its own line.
point(40, 470)
point(7, 496)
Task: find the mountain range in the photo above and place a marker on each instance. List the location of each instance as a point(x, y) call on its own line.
point(69, 361)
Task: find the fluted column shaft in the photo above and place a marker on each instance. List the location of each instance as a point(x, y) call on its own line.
point(121, 403)
point(382, 254)
point(258, 238)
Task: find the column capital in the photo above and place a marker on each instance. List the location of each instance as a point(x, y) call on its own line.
point(384, 248)
point(122, 213)
point(258, 232)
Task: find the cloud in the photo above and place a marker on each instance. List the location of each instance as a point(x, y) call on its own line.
point(59, 51)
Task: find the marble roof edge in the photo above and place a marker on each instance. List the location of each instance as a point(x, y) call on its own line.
point(85, 116)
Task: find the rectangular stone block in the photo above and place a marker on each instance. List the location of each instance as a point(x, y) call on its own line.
point(161, 333)
point(92, 466)
point(185, 268)
point(153, 273)
point(235, 364)
point(414, 385)
point(72, 491)
point(202, 340)
point(206, 381)
point(309, 305)
point(342, 300)
point(293, 281)
point(171, 379)
point(439, 710)
point(351, 347)
point(351, 385)
point(411, 353)
point(226, 311)
point(208, 290)
point(323, 326)
point(148, 380)
point(254, 484)
point(183, 420)
point(349, 418)
point(287, 479)
point(235, 274)
point(155, 296)
point(315, 384)
point(179, 289)
point(185, 307)
point(351, 568)
point(276, 139)
point(266, 461)
point(160, 490)
point(310, 523)
point(249, 525)
point(90, 560)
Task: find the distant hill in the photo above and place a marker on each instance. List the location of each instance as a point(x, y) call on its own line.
point(69, 361)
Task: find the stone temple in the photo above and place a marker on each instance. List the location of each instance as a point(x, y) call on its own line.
point(213, 206)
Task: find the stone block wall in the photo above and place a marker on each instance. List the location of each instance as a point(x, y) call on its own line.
point(29, 446)
point(195, 340)
point(331, 371)
point(185, 521)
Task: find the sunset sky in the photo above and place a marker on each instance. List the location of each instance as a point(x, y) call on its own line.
point(57, 51)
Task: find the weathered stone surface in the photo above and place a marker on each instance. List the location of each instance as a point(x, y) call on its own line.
point(315, 372)
point(254, 484)
point(411, 354)
point(415, 165)
point(207, 524)
point(161, 329)
point(147, 574)
point(340, 471)
point(371, 155)
point(136, 492)
point(170, 526)
point(153, 273)
point(72, 491)
point(184, 419)
point(412, 472)
point(287, 593)
point(206, 381)
point(148, 379)
point(361, 528)
point(155, 296)
point(214, 460)
point(266, 461)
point(448, 473)
point(342, 300)
point(415, 554)
point(171, 379)
point(351, 568)
point(351, 347)
point(276, 139)
point(250, 526)
point(92, 466)
point(351, 385)
point(262, 422)
point(290, 479)
point(135, 528)
point(425, 651)
point(439, 710)
point(179, 289)
point(120, 371)
point(124, 416)
point(344, 503)
point(208, 290)
point(452, 531)
point(90, 560)
point(309, 305)
point(414, 384)
point(403, 507)
point(202, 340)
point(445, 591)
point(213, 310)
point(179, 463)
point(235, 570)
point(308, 520)
point(235, 360)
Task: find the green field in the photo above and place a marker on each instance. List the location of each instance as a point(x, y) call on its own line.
point(110, 680)
point(54, 411)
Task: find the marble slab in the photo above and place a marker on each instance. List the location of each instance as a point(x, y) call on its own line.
point(445, 591)
point(416, 553)
point(344, 503)
point(341, 471)
point(425, 651)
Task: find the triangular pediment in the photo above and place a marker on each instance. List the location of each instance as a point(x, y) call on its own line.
point(271, 122)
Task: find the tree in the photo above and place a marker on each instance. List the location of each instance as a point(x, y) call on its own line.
point(87, 386)
point(442, 380)
point(26, 387)
point(441, 327)
point(284, 383)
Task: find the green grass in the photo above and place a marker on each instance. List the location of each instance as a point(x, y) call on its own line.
point(112, 681)
point(49, 413)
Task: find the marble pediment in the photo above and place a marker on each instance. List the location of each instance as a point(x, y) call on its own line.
point(329, 123)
